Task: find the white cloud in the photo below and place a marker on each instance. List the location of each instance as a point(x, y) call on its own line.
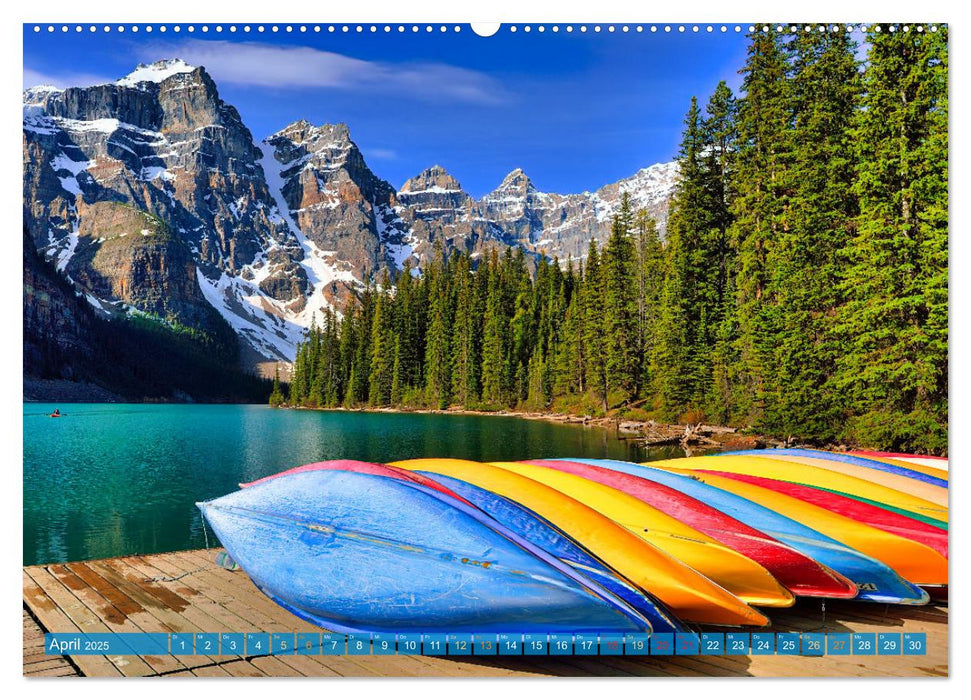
point(62, 80)
point(295, 67)
point(380, 153)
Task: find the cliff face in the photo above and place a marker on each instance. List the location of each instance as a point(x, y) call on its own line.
point(151, 196)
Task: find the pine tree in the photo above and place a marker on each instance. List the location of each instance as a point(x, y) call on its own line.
point(494, 337)
point(465, 335)
point(694, 284)
point(805, 265)
point(619, 279)
point(438, 381)
point(276, 395)
point(359, 384)
point(894, 369)
point(569, 356)
point(594, 338)
point(650, 284)
point(397, 387)
point(382, 351)
point(721, 336)
point(761, 186)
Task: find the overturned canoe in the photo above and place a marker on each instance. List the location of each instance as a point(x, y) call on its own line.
point(871, 514)
point(738, 574)
point(912, 560)
point(893, 475)
point(875, 580)
point(802, 575)
point(547, 536)
point(812, 475)
point(690, 595)
point(362, 552)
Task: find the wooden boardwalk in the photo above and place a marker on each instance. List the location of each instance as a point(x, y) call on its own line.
point(187, 592)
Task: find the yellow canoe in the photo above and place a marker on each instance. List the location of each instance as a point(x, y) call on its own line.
point(771, 468)
point(914, 561)
point(692, 596)
point(732, 570)
point(920, 489)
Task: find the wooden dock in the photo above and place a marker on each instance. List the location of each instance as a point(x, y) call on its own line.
point(188, 592)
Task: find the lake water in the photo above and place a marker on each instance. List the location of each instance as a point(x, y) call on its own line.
point(115, 479)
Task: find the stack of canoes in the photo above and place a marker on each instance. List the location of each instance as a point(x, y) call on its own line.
point(589, 545)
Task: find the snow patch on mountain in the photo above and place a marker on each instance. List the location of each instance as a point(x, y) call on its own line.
point(66, 248)
point(155, 72)
point(237, 301)
point(269, 325)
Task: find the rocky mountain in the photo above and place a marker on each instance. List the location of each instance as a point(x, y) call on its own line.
point(151, 197)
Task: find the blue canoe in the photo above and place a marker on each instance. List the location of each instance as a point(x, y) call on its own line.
point(540, 532)
point(846, 459)
point(355, 552)
point(875, 580)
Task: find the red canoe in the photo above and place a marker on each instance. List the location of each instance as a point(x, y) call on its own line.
point(872, 515)
point(797, 572)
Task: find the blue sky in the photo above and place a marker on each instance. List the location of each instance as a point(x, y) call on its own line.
point(575, 111)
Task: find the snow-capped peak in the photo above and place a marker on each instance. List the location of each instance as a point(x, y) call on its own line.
point(156, 72)
point(38, 93)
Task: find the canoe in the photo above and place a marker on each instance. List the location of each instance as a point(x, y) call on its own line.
point(914, 562)
point(548, 537)
point(738, 574)
point(939, 524)
point(929, 476)
point(939, 463)
point(811, 475)
point(936, 495)
point(690, 595)
point(872, 515)
point(359, 552)
point(797, 572)
point(876, 581)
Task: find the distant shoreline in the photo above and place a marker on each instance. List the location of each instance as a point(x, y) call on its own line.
point(648, 433)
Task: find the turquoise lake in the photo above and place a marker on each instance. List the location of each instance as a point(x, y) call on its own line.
point(116, 479)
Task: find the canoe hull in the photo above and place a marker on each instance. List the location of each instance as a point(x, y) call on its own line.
point(912, 560)
point(691, 596)
point(794, 570)
point(873, 515)
point(928, 476)
point(543, 534)
point(727, 567)
point(799, 470)
point(358, 552)
point(876, 582)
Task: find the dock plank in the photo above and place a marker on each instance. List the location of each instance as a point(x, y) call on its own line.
point(114, 619)
point(188, 592)
point(59, 611)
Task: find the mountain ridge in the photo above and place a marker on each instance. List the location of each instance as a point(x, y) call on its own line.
point(272, 232)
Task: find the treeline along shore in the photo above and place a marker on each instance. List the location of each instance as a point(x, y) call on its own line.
point(801, 290)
